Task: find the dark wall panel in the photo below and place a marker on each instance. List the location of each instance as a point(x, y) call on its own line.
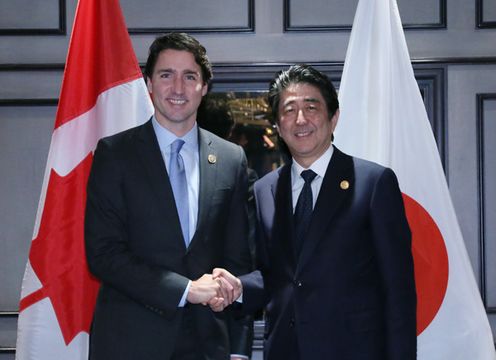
point(149, 16)
point(27, 17)
point(486, 124)
point(328, 15)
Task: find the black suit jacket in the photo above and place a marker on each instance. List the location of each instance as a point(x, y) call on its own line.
point(134, 245)
point(350, 294)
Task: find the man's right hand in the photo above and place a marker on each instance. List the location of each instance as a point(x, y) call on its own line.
point(230, 283)
point(205, 290)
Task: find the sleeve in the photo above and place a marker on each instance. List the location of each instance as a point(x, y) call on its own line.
point(254, 293)
point(237, 260)
point(109, 255)
point(392, 241)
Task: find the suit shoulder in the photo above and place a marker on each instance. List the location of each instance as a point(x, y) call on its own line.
point(268, 179)
point(367, 166)
point(219, 142)
point(122, 138)
point(230, 151)
point(373, 173)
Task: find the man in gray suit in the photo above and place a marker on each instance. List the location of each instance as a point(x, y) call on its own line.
point(166, 204)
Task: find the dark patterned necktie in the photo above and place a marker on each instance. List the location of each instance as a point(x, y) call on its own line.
point(303, 210)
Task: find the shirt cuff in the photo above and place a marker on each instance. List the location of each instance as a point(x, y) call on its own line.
point(240, 356)
point(182, 302)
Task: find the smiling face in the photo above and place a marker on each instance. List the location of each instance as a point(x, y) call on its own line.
point(177, 88)
point(304, 122)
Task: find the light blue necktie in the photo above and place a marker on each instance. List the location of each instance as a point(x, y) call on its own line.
point(177, 177)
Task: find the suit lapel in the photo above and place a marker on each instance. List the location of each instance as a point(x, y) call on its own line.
point(208, 174)
point(152, 160)
point(331, 196)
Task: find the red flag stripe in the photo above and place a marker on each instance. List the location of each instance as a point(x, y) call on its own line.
point(95, 64)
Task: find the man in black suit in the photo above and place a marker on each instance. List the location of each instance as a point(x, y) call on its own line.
point(333, 242)
point(153, 249)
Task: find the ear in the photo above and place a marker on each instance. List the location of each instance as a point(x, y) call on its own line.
point(334, 120)
point(149, 84)
point(204, 89)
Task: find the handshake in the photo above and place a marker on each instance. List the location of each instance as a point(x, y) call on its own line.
point(217, 290)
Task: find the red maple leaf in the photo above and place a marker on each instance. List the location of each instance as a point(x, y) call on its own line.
point(57, 255)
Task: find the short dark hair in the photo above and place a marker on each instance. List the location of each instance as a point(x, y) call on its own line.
point(179, 41)
point(296, 74)
point(302, 73)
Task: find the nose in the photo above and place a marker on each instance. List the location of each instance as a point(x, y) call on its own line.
point(300, 118)
point(178, 85)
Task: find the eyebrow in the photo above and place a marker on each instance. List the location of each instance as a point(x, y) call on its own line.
point(187, 71)
point(191, 72)
point(311, 100)
point(306, 100)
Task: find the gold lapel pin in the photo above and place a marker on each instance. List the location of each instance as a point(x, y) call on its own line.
point(344, 185)
point(212, 159)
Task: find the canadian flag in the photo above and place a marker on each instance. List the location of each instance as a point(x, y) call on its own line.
point(103, 93)
point(383, 119)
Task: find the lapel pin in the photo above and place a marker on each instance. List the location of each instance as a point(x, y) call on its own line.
point(212, 159)
point(344, 185)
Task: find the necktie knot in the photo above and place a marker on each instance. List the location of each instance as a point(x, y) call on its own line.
point(308, 176)
point(176, 146)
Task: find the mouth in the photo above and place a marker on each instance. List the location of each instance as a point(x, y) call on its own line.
point(301, 134)
point(177, 101)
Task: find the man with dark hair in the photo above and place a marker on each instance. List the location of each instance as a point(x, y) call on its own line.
point(333, 242)
point(166, 204)
point(180, 42)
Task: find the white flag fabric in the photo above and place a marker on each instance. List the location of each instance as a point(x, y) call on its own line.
point(383, 119)
point(103, 92)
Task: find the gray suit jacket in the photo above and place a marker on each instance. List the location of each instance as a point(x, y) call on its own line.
point(134, 245)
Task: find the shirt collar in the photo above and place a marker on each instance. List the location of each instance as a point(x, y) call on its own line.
point(319, 166)
point(165, 137)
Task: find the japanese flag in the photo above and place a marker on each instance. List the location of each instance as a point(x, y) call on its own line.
point(383, 119)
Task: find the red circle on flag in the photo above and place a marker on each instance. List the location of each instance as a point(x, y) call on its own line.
point(430, 260)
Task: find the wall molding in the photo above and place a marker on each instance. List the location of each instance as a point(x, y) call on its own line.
point(249, 28)
point(476, 60)
point(481, 98)
point(288, 27)
point(29, 102)
point(4, 315)
point(7, 350)
point(60, 30)
point(479, 17)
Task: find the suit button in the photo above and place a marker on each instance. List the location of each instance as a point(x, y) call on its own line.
point(297, 283)
point(291, 322)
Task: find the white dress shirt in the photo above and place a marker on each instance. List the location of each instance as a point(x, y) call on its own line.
point(319, 166)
